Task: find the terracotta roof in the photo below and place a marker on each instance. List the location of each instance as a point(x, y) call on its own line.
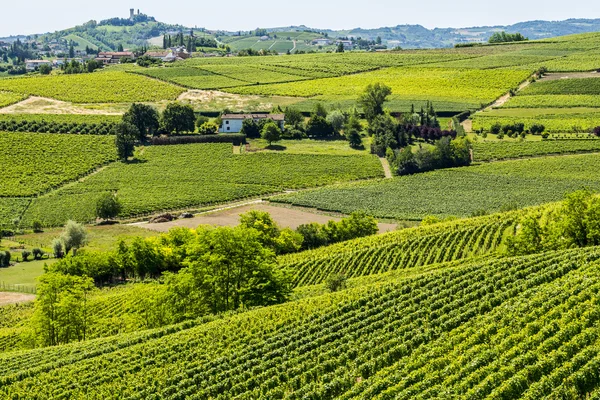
point(274, 117)
point(156, 53)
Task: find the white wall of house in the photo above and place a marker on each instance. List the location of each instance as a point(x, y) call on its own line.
point(231, 126)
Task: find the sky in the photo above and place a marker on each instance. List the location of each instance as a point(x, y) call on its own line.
point(40, 16)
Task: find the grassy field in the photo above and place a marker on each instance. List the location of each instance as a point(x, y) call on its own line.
point(460, 191)
point(331, 147)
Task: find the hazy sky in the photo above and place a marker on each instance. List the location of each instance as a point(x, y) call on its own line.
point(40, 16)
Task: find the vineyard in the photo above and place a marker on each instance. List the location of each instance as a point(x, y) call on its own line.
point(506, 328)
point(491, 151)
point(115, 311)
point(35, 163)
point(195, 175)
point(410, 83)
point(409, 248)
point(99, 87)
point(7, 98)
point(458, 191)
point(555, 120)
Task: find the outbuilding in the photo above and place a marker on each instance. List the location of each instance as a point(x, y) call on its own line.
point(232, 123)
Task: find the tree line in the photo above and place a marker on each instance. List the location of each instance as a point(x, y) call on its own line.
point(203, 271)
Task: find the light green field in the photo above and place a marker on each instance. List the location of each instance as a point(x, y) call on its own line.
point(458, 191)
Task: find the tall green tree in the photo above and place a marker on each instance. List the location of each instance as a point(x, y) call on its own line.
point(74, 236)
point(178, 118)
point(373, 98)
point(228, 268)
point(271, 132)
point(126, 135)
point(61, 312)
point(108, 206)
point(144, 117)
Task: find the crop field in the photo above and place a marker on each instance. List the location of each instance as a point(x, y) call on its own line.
point(176, 177)
point(458, 191)
point(409, 83)
point(7, 98)
point(36, 163)
point(538, 308)
point(98, 87)
point(555, 120)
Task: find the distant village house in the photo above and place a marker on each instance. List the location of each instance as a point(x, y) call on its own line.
point(232, 123)
point(170, 55)
point(113, 57)
point(33, 65)
point(321, 42)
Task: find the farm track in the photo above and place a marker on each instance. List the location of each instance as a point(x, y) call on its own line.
point(386, 168)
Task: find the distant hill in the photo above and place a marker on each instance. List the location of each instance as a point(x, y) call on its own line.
point(417, 36)
point(142, 30)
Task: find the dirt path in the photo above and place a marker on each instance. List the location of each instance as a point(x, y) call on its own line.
point(284, 216)
point(15, 298)
point(467, 124)
point(502, 100)
point(386, 168)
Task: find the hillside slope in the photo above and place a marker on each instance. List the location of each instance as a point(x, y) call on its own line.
point(507, 328)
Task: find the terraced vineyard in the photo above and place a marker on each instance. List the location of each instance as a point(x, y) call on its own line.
point(458, 191)
point(409, 248)
point(535, 315)
point(182, 176)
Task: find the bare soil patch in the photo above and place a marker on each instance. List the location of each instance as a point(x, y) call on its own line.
point(285, 217)
point(15, 298)
point(210, 100)
point(568, 75)
point(42, 105)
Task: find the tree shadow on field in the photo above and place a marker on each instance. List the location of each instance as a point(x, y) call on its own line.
point(136, 161)
point(276, 147)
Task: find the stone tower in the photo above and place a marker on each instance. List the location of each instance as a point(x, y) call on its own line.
point(131, 13)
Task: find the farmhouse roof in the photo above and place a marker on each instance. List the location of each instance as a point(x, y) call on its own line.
point(116, 54)
point(156, 53)
point(274, 117)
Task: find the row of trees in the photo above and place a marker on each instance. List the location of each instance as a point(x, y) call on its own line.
point(142, 120)
point(574, 223)
point(152, 257)
point(516, 129)
point(503, 37)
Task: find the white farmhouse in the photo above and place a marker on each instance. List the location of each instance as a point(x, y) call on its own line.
point(33, 65)
point(232, 123)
